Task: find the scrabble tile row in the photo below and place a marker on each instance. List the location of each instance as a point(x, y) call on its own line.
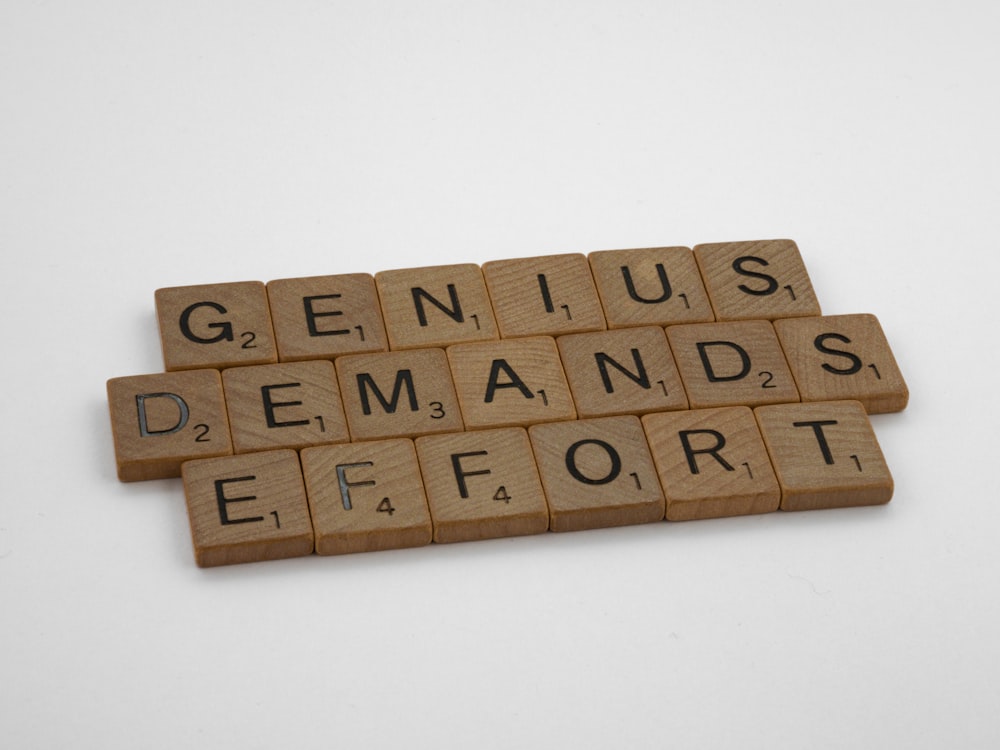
point(325, 317)
point(161, 420)
point(556, 476)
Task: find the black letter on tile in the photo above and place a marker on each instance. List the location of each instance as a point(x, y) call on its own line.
point(772, 283)
point(713, 451)
point(454, 312)
point(311, 315)
point(820, 437)
point(820, 344)
point(664, 284)
point(713, 377)
point(573, 469)
point(225, 329)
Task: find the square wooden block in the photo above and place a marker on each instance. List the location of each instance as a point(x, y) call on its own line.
point(654, 286)
point(247, 508)
point(215, 325)
point(159, 421)
point(510, 382)
point(732, 364)
point(482, 485)
point(366, 497)
point(597, 473)
point(398, 394)
point(825, 454)
point(323, 317)
point(621, 372)
point(284, 405)
point(544, 296)
point(712, 463)
point(839, 357)
point(764, 279)
point(436, 306)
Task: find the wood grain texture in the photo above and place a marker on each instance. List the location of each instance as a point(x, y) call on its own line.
point(597, 473)
point(398, 394)
point(763, 279)
point(621, 372)
point(323, 317)
point(655, 286)
point(839, 357)
point(482, 485)
point(731, 364)
point(510, 382)
point(366, 497)
point(712, 463)
point(284, 405)
point(159, 421)
point(544, 296)
point(215, 325)
point(825, 455)
point(247, 508)
point(435, 306)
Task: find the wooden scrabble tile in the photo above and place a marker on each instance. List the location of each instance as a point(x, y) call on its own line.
point(655, 286)
point(731, 364)
point(247, 508)
point(756, 280)
point(825, 455)
point(510, 382)
point(398, 394)
point(215, 325)
point(366, 497)
point(482, 485)
point(840, 357)
point(628, 371)
point(712, 463)
point(323, 317)
point(544, 296)
point(435, 306)
point(159, 421)
point(284, 405)
point(597, 473)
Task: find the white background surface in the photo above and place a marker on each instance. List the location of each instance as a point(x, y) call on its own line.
point(157, 144)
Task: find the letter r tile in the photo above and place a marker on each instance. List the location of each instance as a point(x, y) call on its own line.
point(732, 364)
point(825, 455)
point(215, 325)
point(159, 421)
point(712, 463)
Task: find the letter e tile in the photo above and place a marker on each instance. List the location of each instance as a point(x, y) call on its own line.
point(247, 508)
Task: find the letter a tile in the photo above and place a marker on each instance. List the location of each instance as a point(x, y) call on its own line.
point(248, 507)
point(825, 455)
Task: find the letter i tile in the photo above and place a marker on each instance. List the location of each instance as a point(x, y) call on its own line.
point(247, 507)
point(825, 455)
